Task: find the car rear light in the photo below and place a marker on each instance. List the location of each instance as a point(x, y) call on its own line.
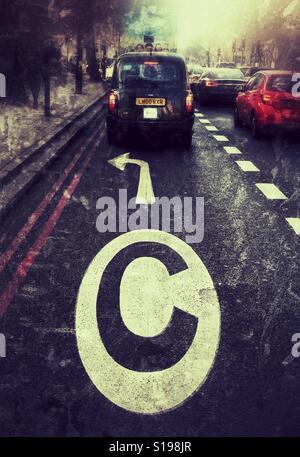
point(266, 99)
point(211, 83)
point(151, 62)
point(189, 101)
point(112, 101)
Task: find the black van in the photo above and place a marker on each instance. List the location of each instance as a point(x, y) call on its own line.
point(150, 92)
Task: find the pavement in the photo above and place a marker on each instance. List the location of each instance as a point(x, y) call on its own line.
point(250, 252)
point(24, 129)
point(19, 168)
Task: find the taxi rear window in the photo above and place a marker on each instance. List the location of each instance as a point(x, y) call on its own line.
point(139, 72)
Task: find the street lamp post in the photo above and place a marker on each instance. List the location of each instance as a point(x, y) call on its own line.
point(208, 57)
point(234, 52)
point(243, 49)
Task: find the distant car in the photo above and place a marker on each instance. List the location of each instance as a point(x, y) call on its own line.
point(150, 93)
point(226, 65)
point(267, 103)
point(195, 73)
point(252, 70)
point(244, 69)
point(220, 84)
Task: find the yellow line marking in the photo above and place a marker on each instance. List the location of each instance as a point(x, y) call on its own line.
point(294, 222)
point(145, 194)
point(247, 165)
point(271, 192)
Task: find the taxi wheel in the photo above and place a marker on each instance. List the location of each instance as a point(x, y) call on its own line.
point(187, 138)
point(110, 136)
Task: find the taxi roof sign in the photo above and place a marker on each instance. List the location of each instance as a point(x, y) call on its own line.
point(148, 39)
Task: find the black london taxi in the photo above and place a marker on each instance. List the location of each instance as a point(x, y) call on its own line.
point(150, 93)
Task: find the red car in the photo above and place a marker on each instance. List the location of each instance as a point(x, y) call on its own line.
point(267, 103)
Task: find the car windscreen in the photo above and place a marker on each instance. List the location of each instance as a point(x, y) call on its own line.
point(226, 74)
point(280, 83)
point(144, 72)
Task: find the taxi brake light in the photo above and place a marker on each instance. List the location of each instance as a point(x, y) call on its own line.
point(189, 103)
point(112, 102)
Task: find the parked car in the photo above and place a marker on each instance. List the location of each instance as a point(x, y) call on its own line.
point(150, 93)
point(266, 103)
point(226, 65)
point(220, 84)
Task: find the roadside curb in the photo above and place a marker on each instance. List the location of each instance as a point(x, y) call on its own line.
point(18, 175)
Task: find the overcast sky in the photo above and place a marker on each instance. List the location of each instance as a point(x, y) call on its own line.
point(214, 22)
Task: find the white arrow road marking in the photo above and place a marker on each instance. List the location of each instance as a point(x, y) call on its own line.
point(145, 194)
point(247, 165)
point(270, 191)
point(294, 222)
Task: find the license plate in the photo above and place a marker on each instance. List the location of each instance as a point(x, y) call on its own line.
point(151, 101)
point(150, 113)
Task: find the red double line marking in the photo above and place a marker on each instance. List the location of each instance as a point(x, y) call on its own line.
point(34, 217)
point(9, 292)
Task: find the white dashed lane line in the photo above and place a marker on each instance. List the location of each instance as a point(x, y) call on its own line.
point(221, 138)
point(294, 222)
point(270, 191)
point(211, 128)
point(232, 150)
point(247, 165)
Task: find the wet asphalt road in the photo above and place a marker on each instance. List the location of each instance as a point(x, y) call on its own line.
point(250, 251)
